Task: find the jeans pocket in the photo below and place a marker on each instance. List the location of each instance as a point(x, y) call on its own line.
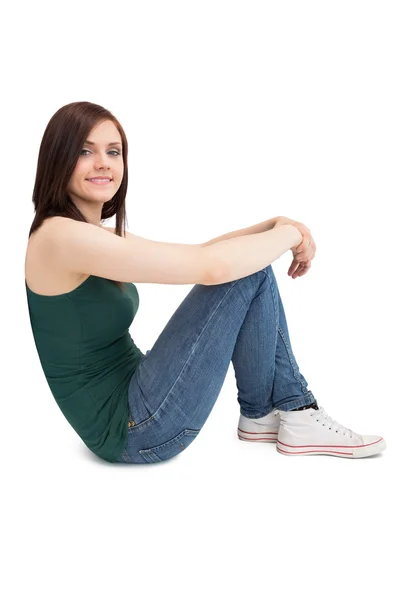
point(171, 448)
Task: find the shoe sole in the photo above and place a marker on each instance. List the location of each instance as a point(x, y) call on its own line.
point(340, 451)
point(252, 436)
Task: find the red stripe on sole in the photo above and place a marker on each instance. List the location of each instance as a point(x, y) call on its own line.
point(261, 439)
point(329, 445)
point(257, 432)
point(333, 452)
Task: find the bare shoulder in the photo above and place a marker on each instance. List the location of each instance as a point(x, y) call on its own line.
point(51, 227)
point(54, 227)
point(43, 274)
point(47, 266)
point(127, 233)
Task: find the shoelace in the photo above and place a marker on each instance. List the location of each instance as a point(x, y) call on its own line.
point(323, 416)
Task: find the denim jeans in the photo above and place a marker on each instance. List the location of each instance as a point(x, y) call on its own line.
point(178, 381)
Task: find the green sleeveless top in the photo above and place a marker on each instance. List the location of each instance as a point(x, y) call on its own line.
point(89, 357)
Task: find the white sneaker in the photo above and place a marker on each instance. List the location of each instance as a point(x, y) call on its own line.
point(310, 431)
point(264, 429)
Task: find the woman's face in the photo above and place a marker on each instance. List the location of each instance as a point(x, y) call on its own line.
point(102, 158)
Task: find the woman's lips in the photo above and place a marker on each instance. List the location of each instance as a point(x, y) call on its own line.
point(98, 182)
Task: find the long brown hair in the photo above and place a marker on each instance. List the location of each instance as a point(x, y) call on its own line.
point(59, 151)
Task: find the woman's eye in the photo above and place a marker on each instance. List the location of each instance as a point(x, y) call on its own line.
point(116, 152)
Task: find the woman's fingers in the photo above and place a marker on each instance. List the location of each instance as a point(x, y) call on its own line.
point(298, 269)
point(303, 254)
point(292, 268)
point(308, 253)
point(302, 270)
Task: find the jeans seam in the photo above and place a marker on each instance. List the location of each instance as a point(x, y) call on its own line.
point(303, 387)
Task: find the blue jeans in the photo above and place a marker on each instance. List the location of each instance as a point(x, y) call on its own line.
point(177, 383)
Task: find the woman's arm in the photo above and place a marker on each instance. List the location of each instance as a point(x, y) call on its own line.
point(258, 228)
point(242, 256)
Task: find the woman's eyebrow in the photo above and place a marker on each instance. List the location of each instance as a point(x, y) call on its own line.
point(110, 144)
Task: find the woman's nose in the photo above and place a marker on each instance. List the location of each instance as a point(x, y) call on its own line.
point(102, 161)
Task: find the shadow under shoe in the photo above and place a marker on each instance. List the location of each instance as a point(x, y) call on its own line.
point(310, 431)
point(259, 430)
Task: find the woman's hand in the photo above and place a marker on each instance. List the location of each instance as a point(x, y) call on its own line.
point(304, 253)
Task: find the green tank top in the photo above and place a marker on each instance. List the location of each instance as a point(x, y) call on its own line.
point(89, 357)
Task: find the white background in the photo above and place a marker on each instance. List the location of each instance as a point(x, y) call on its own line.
point(235, 112)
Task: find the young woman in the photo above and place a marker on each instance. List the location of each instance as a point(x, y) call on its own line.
point(130, 407)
